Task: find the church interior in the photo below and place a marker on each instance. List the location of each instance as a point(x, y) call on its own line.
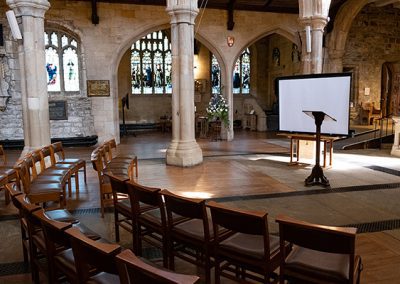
point(180, 100)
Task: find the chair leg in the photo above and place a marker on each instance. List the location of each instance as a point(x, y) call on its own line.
point(207, 267)
point(76, 181)
point(116, 225)
point(217, 271)
point(84, 172)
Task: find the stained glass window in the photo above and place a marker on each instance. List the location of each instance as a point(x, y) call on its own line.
point(215, 75)
point(151, 63)
point(241, 74)
point(62, 64)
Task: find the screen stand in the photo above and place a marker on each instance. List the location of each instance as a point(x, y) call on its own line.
point(317, 174)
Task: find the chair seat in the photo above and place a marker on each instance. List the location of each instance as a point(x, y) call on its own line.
point(194, 228)
point(61, 215)
point(103, 278)
point(250, 245)
point(328, 266)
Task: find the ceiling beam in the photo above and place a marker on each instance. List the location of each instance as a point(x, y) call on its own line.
point(231, 8)
point(95, 17)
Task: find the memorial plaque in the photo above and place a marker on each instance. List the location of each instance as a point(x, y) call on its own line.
point(98, 88)
point(58, 110)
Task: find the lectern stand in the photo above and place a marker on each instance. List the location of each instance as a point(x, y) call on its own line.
point(317, 174)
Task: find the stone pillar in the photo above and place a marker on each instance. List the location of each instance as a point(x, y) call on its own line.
point(183, 150)
point(32, 60)
point(313, 14)
point(318, 26)
point(396, 144)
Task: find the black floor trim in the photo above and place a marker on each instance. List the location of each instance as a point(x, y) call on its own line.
point(385, 170)
point(310, 192)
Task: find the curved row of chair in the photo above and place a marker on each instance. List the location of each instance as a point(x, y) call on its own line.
point(236, 242)
point(45, 173)
point(106, 159)
point(63, 249)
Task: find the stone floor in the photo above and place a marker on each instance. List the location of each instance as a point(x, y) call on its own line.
point(252, 172)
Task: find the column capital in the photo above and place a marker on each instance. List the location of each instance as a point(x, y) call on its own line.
point(33, 8)
point(182, 11)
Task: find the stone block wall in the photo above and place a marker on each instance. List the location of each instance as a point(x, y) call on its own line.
point(374, 39)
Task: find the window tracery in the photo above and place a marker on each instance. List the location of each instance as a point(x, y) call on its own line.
point(62, 61)
point(151, 62)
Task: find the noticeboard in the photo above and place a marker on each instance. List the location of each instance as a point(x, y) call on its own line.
point(58, 110)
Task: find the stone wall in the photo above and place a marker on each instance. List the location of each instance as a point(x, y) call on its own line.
point(11, 118)
point(374, 38)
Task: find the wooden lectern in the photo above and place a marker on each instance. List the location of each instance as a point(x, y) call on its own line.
point(317, 174)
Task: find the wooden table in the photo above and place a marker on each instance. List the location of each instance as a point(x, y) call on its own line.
point(295, 145)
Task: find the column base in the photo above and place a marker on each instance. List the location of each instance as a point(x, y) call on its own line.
point(396, 143)
point(184, 154)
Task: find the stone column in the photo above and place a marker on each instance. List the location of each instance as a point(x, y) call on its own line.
point(313, 14)
point(396, 144)
point(183, 150)
point(318, 26)
point(32, 60)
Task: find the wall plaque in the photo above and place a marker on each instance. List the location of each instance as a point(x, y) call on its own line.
point(58, 110)
point(98, 88)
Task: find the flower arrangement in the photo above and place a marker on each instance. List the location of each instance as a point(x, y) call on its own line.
point(218, 109)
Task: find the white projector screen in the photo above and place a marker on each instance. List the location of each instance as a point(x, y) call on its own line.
point(329, 93)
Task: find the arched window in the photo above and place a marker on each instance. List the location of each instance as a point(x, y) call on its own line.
point(62, 63)
point(151, 63)
point(215, 75)
point(241, 74)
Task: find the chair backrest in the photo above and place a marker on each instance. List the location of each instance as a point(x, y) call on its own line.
point(57, 149)
point(118, 185)
point(47, 155)
point(133, 270)
point(22, 169)
point(144, 194)
point(186, 207)
point(241, 221)
point(37, 160)
point(91, 254)
point(317, 237)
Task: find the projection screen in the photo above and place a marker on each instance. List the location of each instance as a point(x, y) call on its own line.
point(329, 93)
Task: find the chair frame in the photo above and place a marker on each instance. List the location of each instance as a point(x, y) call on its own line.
point(229, 222)
point(145, 199)
point(337, 240)
point(119, 189)
point(90, 254)
point(134, 270)
point(178, 241)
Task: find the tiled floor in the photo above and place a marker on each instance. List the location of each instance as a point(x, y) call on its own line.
point(253, 172)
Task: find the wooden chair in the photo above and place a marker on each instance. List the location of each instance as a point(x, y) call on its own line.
point(58, 156)
point(150, 218)
point(132, 158)
point(134, 270)
point(122, 205)
point(45, 194)
point(189, 239)
point(60, 259)
point(247, 251)
point(321, 254)
point(13, 192)
point(105, 189)
point(36, 240)
point(92, 255)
